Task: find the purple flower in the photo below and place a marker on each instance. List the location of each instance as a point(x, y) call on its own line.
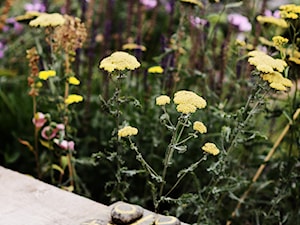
point(269, 13)
point(36, 5)
point(2, 49)
point(150, 4)
point(197, 21)
point(169, 5)
point(241, 22)
point(12, 22)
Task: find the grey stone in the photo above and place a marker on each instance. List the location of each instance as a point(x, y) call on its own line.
point(167, 220)
point(124, 213)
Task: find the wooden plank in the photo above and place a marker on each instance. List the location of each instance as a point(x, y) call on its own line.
point(25, 200)
point(28, 201)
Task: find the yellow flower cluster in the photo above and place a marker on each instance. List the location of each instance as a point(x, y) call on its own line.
point(200, 127)
point(294, 55)
point(265, 63)
point(289, 11)
point(73, 98)
point(127, 131)
point(133, 46)
point(73, 80)
point(279, 41)
point(270, 69)
point(45, 74)
point(211, 148)
point(272, 20)
point(47, 20)
point(188, 101)
point(119, 61)
point(193, 2)
point(155, 69)
point(163, 100)
point(277, 81)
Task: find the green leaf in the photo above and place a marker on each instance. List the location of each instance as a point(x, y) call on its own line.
point(58, 168)
point(27, 144)
point(64, 161)
point(46, 144)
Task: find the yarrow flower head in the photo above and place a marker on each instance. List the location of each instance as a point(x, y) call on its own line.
point(127, 131)
point(73, 98)
point(290, 11)
point(265, 63)
point(211, 148)
point(48, 20)
point(119, 61)
point(188, 101)
point(277, 81)
point(193, 2)
point(155, 69)
point(272, 20)
point(73, 80)
point(45, 74)
point(279, 41)
point(163, 100)
point(133, 46)
point(200, 127)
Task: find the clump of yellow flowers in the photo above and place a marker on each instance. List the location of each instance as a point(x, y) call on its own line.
point(127, 131)
point(289, 11)
point(187, 103)
point(270, 69)
point(119, 61)
point(211, 148)
point(47, 20)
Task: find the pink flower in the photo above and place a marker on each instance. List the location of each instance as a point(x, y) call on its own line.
point(64, 144)
point(269, 13)
point(49, 132)
point(39, 119)
point(2, 49)
point(35, 6)
point(197, 21)
point(241, 22)
point(150, 4)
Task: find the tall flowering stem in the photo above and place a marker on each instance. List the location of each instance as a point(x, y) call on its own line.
point(247, 113)
point(33, 58)
point(187, 103)
point(116, 65)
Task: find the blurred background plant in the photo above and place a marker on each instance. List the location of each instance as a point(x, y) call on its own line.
point(242, 57)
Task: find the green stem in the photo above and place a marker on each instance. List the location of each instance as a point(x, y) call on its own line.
point(36, 146)
point(140, 157)
point(186, 171)
point(238, 129)
point(170, 150)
